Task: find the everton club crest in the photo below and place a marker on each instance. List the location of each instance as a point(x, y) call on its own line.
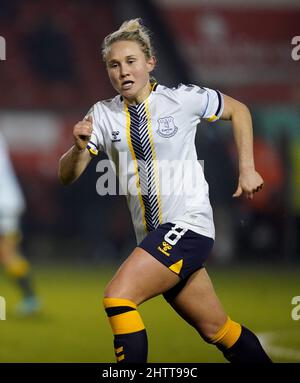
point(166, 127)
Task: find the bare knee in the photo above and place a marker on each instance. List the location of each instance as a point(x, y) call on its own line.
point(113, 291)
point(120, 291)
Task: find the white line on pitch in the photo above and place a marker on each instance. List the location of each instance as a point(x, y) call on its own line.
point(267, 340)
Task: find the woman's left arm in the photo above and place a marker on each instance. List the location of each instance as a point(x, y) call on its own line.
point(250, 181)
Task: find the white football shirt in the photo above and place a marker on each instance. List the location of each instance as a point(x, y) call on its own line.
point(152, 145)
point(12, 201)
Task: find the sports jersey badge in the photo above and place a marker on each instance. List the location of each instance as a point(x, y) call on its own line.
point(166, 127)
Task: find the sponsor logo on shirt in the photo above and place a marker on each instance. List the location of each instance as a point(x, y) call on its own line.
point(164, 248)
point(115, 134)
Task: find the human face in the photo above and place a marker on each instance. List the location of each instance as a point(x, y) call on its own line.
point(128, 70)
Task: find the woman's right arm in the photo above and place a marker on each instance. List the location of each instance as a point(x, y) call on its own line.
point(75, 160)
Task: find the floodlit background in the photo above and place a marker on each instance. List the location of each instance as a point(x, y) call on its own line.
point(75, 239)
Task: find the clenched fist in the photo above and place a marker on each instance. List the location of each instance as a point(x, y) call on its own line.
point(82, 133)
point(250, 182)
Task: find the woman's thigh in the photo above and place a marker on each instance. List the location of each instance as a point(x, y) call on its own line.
point(199, 305)
point(140, 277)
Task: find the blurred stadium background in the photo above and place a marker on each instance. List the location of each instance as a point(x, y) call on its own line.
point(52, 75)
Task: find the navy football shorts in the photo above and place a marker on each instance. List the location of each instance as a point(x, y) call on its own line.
point(181, 250)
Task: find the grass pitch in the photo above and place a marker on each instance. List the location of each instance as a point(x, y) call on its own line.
point(72, 326)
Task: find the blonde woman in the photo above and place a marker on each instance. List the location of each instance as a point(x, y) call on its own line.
point(154, 127)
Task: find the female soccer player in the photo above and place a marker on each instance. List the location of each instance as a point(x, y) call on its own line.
point(153, 127)
point(12, 205)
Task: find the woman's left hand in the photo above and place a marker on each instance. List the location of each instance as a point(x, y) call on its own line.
point(250, 182)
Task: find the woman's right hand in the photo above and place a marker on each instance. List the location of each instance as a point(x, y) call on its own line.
point(82, 132)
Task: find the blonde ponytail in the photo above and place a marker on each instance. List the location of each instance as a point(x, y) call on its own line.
point(130, 25)
point(130, 30)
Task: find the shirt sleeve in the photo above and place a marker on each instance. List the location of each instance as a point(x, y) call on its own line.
point(201, 102)
point(96, 143)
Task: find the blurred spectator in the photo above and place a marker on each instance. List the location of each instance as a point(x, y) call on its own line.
point(294, 157)
point(280, 127)
point(295, 191)
point(262, 217)
point(212, 147)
